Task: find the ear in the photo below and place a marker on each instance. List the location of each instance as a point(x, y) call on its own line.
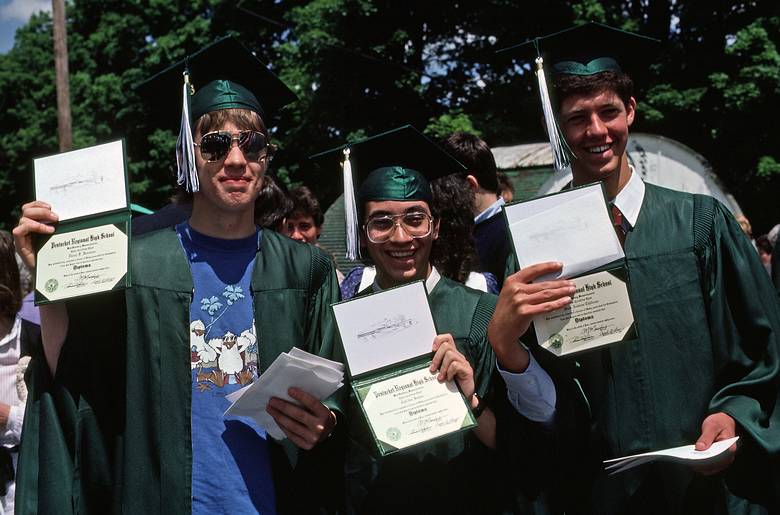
point(435, 232)
point(319, 230)
point(473, 182)
point(631, 110)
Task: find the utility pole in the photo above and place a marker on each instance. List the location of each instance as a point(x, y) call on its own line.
point(63, 77)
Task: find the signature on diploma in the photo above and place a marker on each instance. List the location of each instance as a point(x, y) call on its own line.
point(595, 331)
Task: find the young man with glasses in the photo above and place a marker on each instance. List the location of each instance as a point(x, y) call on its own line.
point(462, 472)
point(128, 414)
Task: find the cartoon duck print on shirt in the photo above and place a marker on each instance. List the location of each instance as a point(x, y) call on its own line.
point(230, 358)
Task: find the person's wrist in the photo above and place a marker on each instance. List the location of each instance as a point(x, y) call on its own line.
point(476, 405)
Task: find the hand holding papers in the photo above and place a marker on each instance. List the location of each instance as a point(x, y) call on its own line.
point(88, 252)
point(574, 227)
point(315, 375)
point(687, 454)
point(387, 339)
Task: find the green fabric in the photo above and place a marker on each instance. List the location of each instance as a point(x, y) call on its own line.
point(454, 474)
point(708, 324)
point(111, 433)
point(598, 65)
point(223, 94)
point(394, 183)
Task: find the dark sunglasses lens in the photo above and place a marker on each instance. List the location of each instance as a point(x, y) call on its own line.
point(215, 146)
point(252, 143)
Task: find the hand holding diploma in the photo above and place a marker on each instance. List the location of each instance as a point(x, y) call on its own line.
point(37, 218)
point(519, 302)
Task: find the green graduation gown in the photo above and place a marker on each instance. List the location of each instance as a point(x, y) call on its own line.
point(111, 432)
point(435, 477)
point(709, 334)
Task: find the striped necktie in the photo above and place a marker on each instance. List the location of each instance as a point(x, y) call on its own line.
point(619, 222)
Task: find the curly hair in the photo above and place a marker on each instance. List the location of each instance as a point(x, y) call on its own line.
point(10, 288)
point(566, 85)
point(306, 204)
point(273, 204)
point(454, 252)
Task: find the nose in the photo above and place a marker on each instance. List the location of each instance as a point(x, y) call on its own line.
point(297, 235)
point(596, 127)
point(235, 156)
point(399, 234)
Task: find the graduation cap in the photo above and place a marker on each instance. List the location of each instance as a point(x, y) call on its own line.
point(395, 165)
point(222, 75)
point(583, 50)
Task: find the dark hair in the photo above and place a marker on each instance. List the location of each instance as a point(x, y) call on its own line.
point(763, 243)
point(566, 85)
point(273, 204)
point(454, 252)
point(476, 156)
point(10, 288)
point(244, 119)
point(306, 204)
point(504, 183)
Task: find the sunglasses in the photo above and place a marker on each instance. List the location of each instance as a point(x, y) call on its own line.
point(215, 146)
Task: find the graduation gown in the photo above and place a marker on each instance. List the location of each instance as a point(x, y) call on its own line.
point(111, 431)
point(708, 342)
point(453, 474)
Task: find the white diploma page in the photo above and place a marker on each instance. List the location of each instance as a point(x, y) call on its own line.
point(83, 262)
point(385, 328)
point(572, 227)
point(599, 314)
point(414, 408)
point(687, 454)
point(83, 182)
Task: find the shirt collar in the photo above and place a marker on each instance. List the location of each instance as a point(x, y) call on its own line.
point(494, 208)
point(629, 199)
point(14, 333)
point(430, 282)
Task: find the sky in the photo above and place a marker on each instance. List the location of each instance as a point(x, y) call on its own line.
point(15, 13)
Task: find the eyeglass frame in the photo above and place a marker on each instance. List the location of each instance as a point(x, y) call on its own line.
point(267, 153)
point(399, 224)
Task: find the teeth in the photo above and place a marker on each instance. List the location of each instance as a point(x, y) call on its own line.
point(406, 253)
point(598, 150)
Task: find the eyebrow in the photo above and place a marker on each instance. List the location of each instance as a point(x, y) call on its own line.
point(412, 209)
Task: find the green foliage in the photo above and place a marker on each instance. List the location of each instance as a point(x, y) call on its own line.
point(441, 127)
point(363, 66)
point(768, 167)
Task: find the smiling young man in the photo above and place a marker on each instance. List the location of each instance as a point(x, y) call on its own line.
point(705, 366)
point(459, 473)
point(128, 414)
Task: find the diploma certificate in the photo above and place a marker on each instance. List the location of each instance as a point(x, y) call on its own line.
point(412, 408)
point(599, 314)
point(88, 252)
point(81, 262)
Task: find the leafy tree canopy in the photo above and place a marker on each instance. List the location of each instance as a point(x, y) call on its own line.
point(363, 66)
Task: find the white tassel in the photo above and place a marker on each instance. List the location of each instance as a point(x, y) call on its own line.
point(187, 173)
point(560, 148)
point(350, 209)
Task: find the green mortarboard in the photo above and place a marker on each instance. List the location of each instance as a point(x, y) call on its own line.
point(586, 49)
point(222, 75)
point(395, 165)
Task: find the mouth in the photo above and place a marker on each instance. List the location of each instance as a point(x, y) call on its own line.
point(235, 179)
point(401, 255)
point(598, 149)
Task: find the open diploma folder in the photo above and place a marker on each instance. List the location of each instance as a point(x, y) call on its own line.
point(88, 252)
point(574, 227)
point(387, 338)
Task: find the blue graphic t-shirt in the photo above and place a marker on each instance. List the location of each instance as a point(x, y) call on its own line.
point(231, 470)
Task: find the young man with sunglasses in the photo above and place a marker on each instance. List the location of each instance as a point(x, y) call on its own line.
point(705, 365)
point(461, 472)
point(128, 414)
